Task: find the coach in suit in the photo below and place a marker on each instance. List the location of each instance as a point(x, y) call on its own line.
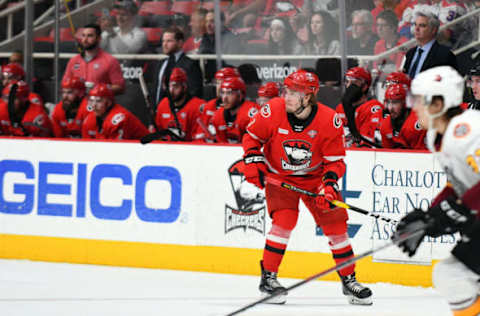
point(172, 43)
point(428, 53)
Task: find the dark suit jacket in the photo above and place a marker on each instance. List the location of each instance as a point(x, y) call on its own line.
point(191, 67)
point(439, 55)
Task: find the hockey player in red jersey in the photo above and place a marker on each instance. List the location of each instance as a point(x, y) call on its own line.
point(207, 131)
point(398, 77)
point(400, 129)
point(69, 114)
point(231, 120)
point(454, 136)
point(186, 109)
point(266, 92)
point(20, 117)
point(14, 72)
point(109, 120)
point(302, 143)
point(366, 114)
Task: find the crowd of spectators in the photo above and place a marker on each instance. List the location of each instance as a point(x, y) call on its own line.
point(176, 83)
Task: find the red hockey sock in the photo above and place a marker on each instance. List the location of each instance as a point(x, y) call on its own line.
point(341, 251)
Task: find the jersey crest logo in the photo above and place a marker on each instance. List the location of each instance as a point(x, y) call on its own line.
point(265, 111)
point(249, 211)
point(252, 112)
point(376, 108)
point(38, 120)
point(337, 121)
point(461, 130)
point(299, 155)
point(117, 118)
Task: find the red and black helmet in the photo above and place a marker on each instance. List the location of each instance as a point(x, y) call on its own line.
point(227, 72)
point(102, 90)
point(234, 83)
point(178, 75)
point(396, 91)
point(360, 73)
point(268, 90)
point(398, 77)
point(73, 83)
point(303, 81)
point(23, 91)
point(14, 69)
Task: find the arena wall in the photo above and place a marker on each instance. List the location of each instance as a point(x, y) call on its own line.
point(184, 206)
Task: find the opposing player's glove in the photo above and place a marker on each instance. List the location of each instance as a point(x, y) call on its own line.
point(255, 168)
point(409, 223)
point(328, 191)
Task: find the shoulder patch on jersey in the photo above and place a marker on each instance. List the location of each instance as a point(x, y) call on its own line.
point(35, 100)
point(117, 118)
point(253, 110)
point(461, 130)
point(266, 111)
point(417, 126)
point(376, 108)
point(38, 120)
point(337, 121)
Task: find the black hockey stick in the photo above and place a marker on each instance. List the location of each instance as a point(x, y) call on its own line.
point(418, 231)
point(334, 202)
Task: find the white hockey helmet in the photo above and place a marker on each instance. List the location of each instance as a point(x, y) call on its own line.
point(441, 81)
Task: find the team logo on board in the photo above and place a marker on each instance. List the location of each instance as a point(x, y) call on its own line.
point(249, 213)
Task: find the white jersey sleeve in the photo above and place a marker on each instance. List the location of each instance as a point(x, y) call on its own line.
point(460, 152)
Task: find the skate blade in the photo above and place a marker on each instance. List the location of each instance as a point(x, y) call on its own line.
point(359, 301)
point(279, 299)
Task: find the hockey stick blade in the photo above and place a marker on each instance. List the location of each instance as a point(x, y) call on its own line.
point(403, 237)
point(334, 202)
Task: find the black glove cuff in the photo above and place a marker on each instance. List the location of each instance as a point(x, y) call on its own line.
point(332, 184)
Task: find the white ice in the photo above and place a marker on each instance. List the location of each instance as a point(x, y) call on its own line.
point(54, 289)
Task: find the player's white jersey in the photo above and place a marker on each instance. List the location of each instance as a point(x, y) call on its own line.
point(460, 152)
point(447, 11)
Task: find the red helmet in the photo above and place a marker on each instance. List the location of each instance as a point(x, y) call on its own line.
point(396, 91)
point(14, 69)
point(268, 90)
point(303, 81)
point(178, 75)
point(227, 72)
point(22, 92)
point(360, 73)
point(234, 83)
point(73, 83)
point(102, 90)
point(398, 77)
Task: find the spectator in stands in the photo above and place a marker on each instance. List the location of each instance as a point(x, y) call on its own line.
point(428, 53)
point(363, 39)
point(401, 128)
point(94, 65)
point(14, 72)
point(459, 34)
point(16, 57)
point(231, 120)
point(387, 24)
point(69, 114)
point(410, 13)
point(235, 14)
point(126, 37)
point(361, 117)
point(266, 92)
point(20, 117)
point(322, 35)
point(180, 118)
point(172, 44)
point(208, 111)
point(198, 29)
point(282, 40)
point(109, 120)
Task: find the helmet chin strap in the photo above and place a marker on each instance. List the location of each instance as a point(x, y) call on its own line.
point(301, 108)
point(431, 131)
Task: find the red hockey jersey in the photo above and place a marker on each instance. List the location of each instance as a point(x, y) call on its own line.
point(232, 129)
point(35, 122)
point(410, 136)
point(63, 127)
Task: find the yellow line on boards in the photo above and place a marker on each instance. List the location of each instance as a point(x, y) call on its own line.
point(198, 258)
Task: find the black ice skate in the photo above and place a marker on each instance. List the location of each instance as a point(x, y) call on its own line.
point(357, 293)
point(269, 285)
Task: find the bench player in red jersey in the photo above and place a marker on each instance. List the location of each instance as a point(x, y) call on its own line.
point(302, 142)
point(231, 120)
point(14, 72)
point(109, 120)
point(69, 114)
point(400, 129)
point(266, 92)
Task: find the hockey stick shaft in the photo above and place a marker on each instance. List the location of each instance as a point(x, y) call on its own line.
point(334, 202)
point(401, 238)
